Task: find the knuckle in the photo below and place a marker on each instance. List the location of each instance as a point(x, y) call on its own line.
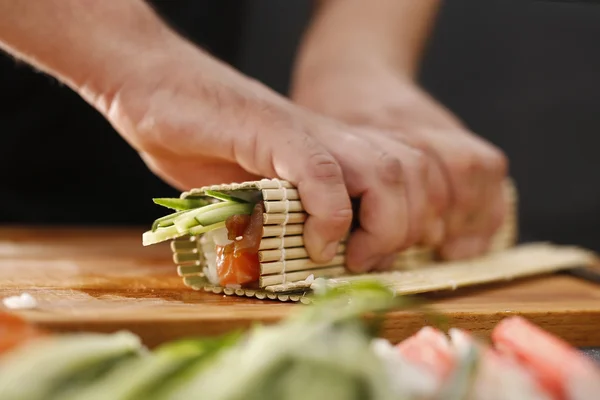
point(322, 167)
point(421, 164)
point(390, 169)
point(416, 142)
point(465, 165)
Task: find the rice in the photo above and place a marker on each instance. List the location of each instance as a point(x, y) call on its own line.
point(208, 241)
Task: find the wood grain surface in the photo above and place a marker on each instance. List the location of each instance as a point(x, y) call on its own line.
point(103, 280)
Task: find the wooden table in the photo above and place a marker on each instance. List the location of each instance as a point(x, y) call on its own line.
point(104, 280)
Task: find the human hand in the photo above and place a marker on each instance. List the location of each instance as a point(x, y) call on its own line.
point(196, 122)
point(467, 173)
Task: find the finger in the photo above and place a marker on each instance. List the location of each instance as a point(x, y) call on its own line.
point(376, 237)
point(417, 175)
point(386, 263)
point(318, 177)
point(437, 191)
point(497, 214)
point(476, 178)
point(484, 218)
point(379, 179)
point(493, 207)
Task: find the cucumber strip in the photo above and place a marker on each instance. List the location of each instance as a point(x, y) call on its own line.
point(167, 220)
point(199, 230)
point(224, 196)
point(160, 235)
point(185, 223)
point(180, 204)
point(153, 375)
point(188, 220)
point(217, 215)
point(36, 371)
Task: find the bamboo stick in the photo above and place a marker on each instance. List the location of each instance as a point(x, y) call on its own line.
point(281, 218)
point(288, 254)
point(283, 206)
point(279, 242)
point(300, 264)
point(280, 194)
point(282, 230)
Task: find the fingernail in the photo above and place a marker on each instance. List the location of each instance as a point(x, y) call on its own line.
point(330, 250)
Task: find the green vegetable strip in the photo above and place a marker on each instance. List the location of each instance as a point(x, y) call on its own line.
point(160, 235)
point(188, 220)
point(180, 204)
point(213, 216)
point(224, 196)
point(194, 222)
point(167, 220)
point(56, 360)
point(198, 230)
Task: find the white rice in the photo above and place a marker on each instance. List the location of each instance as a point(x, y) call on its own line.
point(208, 248)
point(24, 301)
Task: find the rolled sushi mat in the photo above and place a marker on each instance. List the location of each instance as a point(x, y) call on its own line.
point(287, 272)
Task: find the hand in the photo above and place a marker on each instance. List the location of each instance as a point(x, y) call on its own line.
point(197, 122)
point(467, 174)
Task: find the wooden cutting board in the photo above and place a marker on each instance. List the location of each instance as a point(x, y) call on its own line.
point(104, 280)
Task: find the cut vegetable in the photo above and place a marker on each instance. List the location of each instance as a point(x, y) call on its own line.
point(167, 220)
point(213, 216)
point(60, 362)
point(189, 219)
point(180, 204)
point(160, 235)
point(224, 196)
point(194, 222)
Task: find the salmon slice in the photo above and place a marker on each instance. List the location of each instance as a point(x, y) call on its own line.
point(237, 262)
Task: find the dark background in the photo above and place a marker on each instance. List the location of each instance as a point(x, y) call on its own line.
point(524, 74)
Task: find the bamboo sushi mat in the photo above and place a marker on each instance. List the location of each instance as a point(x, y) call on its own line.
point(288, 274)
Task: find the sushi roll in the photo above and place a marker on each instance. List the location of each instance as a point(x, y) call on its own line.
point(241, 238)
point(246, 239)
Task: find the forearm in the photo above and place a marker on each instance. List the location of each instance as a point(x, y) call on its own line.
point(87, 44)
point(356, 33)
